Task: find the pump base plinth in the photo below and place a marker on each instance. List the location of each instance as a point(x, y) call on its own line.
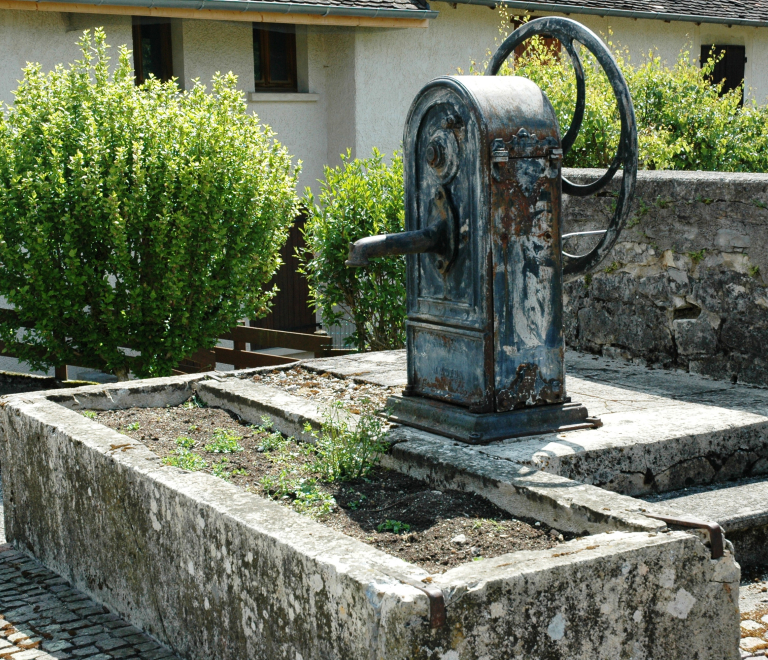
point(477, 429)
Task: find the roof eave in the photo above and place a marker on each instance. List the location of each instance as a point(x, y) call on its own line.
point(256, 6)
point(621, 13)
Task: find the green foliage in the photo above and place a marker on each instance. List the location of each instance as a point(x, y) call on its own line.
point(696, 257)
point(345, 450)
point(186, 460)
point(357, 199)
point(683, 122)
point(220, 469)
point(394, 526)
point(193, 402)
point(303, 491)
point(134, 426)
point(141, 217)
point(754, 271)
point(615, 265)
point(272, 440)
point(224, 441)
point(90, 414)
point(185, 442)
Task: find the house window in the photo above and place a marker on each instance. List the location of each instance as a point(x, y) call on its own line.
point(730, 67)
point(152, 49)
point(274, 57)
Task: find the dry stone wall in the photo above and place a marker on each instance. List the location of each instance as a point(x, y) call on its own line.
point(686, 286)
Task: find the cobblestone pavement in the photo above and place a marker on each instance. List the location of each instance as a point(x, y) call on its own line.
point(753, 602)
point(42, 617)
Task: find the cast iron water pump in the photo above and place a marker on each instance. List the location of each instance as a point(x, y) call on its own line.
point(483, 210)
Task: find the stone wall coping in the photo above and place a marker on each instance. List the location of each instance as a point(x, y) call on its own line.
point(683, 176)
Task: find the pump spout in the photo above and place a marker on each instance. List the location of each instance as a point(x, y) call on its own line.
point(431, 239)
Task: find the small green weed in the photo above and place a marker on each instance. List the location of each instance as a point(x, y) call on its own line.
point(273, 440)
point(239, 471)
point(356, 504)
point(662, 203)
point(305, 495)
point(588, 280)
point(394, 526)
point(186, 460)
point(759, 204)
point(219, 469)
point(224, 441)
point(696, 257)
point(132, 427)
point(185, 442)
point(704, 200)
point(89, 414)
point(193, 428)
point(478, 558)
point(193, 402)
point(344, 451)
point(612, 268)
point(754, 271)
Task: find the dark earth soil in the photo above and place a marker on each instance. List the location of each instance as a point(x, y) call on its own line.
point(442, 528)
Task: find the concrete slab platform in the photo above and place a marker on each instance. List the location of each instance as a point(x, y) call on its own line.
point(662, 430)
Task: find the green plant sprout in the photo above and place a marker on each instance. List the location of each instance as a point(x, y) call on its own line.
point(696, 257)
point(394, 526)
point(224, 441)
point(185, 442)
point(186, 460)
point(345, 449)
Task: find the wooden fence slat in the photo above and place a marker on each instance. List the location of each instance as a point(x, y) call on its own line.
point(247, 359)
point(279, 339)
point(320, 345)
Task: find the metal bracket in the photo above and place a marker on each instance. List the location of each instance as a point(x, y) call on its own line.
point(437, 614)
point(716, 534)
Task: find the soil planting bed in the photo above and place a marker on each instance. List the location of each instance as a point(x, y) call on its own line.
point(327, 388)
point(432, 529)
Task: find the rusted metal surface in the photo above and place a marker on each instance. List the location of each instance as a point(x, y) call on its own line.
point(716, 533)
point(437, 611)
point(483, 187)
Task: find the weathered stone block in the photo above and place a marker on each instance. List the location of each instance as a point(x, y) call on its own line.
point(695, 337)
point(694, 239)
point(218, 573)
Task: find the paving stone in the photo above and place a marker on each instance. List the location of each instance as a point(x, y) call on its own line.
point(124, 632)
point(85, 651)
point(147, 646)
point(111, 643)
point(752, 644)
point(35, 602)
point(56, 645)
point(27, 655)
point(125, 652)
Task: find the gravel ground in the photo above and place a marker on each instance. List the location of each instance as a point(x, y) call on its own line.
point(325, 388)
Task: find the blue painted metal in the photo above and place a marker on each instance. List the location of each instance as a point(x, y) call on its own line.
point(483, 184)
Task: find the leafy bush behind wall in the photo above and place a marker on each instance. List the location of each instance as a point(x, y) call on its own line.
point(683, 122)
point(139, 217)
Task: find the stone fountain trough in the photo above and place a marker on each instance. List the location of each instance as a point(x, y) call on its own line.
point(218, 573)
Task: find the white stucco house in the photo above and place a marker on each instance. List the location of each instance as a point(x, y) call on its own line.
point(332, 75)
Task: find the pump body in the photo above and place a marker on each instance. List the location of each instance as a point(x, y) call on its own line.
point(483, 209)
